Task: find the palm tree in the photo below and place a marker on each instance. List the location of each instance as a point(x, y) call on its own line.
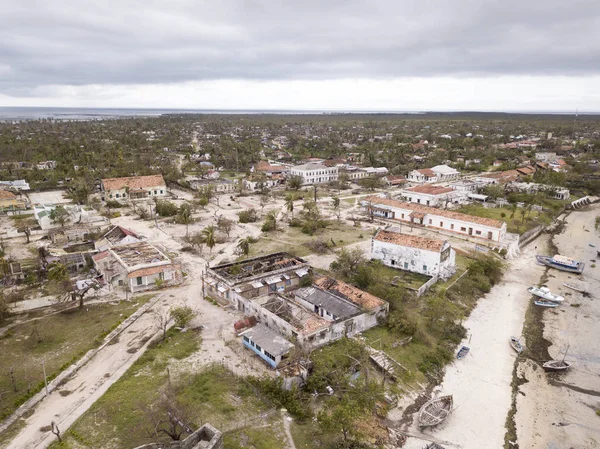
point(185, 217)
point(209, 237)
point(289, 204)
point(272, 216)
point(244, 245)
point(336, 206)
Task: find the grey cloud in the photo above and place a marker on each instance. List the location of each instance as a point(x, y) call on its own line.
point(132, 42)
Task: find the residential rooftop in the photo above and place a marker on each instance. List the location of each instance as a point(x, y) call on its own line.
point(412, 241)
point(138, 253)
point(269, 340)
point(133, 182)
point(243, 270)
point(424, 210)
point(430, 190)
point(346, 291)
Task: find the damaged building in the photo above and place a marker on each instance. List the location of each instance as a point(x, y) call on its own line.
point(139, 266)
point(289, 300)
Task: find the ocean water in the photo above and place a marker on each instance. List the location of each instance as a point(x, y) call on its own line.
point(9, 113)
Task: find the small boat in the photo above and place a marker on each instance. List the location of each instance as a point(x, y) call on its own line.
point(549, 304)
point(562, 263)
point(462, 352)
point(435, 411)
point(433, 446)
point(558, 365)
point(592, 245)
point(516, 344)
point(545, 293)
point(574, 287)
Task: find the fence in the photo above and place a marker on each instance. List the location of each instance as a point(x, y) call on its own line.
point(427, 285)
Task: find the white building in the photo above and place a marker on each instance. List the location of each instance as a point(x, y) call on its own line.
point(422, 175)
point(134, 187)
point(437, 219)
point(445, 173)
point(136, 266)
point(545, 157)
point(313, 173)
point(435, 196)
point(19, 184)
point(431, 257)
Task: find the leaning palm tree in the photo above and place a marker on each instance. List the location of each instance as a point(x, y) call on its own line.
point(244, 245)
point(209, 237)
point(289, 204)
point(272, 216)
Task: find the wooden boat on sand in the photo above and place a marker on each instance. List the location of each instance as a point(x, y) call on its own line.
point(558, 365)
point(516, 344)
point(435, 411)
point(545, 293)
point(549, 304)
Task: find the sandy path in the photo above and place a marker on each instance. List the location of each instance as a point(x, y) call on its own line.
point(481, 382)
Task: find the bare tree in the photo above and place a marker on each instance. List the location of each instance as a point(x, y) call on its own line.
point(55, 431)
point(168, 416)
point(162, 318)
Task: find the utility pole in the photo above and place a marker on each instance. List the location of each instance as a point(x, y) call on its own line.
point(45, 378)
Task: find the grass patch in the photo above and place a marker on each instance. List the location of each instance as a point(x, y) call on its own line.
point(517, 224)
point(59, 340)
point(308, 435)
point(293, 240)
point(259, 436)
point(119, 417)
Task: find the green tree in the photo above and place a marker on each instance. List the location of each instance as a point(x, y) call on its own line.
point(370, 183)
point(58, 272)
point(244, 245)
point(294, 182)
point(225, 225)
point(182, 315)
point(184, 216)
point(60, 216)
point(209, 237)
point(348, 261)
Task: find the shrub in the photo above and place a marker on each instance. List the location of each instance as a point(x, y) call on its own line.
point(182, 315)
point(166, 208)
point(248, 216)
point(112, 204)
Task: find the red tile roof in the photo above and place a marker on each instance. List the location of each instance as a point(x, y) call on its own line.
point(133, 182)
point(430, 190)
point(351, 293)
point(427, 172)
point(412, 241)
point(433, 211)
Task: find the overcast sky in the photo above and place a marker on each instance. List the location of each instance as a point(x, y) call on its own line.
point(302, 54)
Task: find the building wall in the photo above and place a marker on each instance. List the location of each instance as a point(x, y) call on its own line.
point(123, 194)
point(276, 360)
point(440, 222)
point(415, 260)
point(417, 176)
point(317, 176)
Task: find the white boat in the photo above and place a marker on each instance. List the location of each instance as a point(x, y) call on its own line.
point(574, 287)
point(545, 293)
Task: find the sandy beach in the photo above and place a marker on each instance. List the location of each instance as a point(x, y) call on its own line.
point(481, 383)
point(558, 410)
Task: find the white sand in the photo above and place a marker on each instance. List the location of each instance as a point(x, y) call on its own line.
point(556, 416)
point(480, 383)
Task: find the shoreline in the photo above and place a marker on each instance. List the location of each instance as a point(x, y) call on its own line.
point(559, 409)
point(481, 382)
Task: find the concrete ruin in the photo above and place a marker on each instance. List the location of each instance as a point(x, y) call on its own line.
point(206, 437)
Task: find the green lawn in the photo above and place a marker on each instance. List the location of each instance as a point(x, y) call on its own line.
point(517, 224)
point(307, 435)
point(57, 340)
point(120, 418)
point(262, 435)
point(293, 240)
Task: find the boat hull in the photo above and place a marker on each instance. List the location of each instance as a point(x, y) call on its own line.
point(545, 260)
point(548, 296)
point(435, 411)
point(548, 304)
point(516, 345)
point(557, 365)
